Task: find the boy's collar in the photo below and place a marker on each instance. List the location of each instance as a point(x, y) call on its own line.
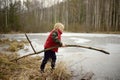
point(59, 31)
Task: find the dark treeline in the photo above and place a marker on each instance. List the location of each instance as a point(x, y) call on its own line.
point(76, 15)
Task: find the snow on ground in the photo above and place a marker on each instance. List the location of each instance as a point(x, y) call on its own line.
point(79, 40)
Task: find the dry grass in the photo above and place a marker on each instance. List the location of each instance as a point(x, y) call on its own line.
point(5, 40)
point(14, 45)
point(28, 69)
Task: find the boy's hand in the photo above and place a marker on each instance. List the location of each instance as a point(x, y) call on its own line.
point(63, 45)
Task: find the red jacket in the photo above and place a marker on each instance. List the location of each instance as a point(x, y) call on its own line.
point(50, 41)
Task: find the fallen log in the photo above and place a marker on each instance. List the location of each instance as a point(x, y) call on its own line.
point(59, 46)
point(87, 76)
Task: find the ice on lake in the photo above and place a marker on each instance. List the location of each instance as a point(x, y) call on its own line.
point(79, 60)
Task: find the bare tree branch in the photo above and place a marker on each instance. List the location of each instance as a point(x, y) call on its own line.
point(59, 46)
point(56, 47)
point(30, 43)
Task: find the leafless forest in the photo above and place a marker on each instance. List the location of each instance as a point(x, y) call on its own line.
point(76, 15)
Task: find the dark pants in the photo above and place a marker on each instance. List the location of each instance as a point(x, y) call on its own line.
point(47, 55)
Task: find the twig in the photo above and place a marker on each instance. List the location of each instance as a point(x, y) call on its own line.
point(59, 46)
point(89, 48)
point(30, 43)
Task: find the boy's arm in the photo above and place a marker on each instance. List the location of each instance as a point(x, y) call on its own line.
point(55, 38)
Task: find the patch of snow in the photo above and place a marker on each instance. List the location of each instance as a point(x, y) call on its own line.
point(113, 48)
point(28, 49)
point(90, 35)
point(37, 46)
point(80, 40)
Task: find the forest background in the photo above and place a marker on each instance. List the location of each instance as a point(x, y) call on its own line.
point(76, 15)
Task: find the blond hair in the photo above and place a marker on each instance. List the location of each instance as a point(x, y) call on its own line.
point(59, 26)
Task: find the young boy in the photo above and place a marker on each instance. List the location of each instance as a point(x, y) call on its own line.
point(54, 39)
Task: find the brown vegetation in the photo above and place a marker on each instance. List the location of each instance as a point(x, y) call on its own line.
point(28, 69)
point(14, 45)
point(6, 40)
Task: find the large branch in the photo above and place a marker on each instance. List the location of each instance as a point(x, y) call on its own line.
point(59, 46)
point(56, 47)
point(88, 48)
point(30, 43)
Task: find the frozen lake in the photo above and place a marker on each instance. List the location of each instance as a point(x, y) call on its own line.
point(79, 60)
